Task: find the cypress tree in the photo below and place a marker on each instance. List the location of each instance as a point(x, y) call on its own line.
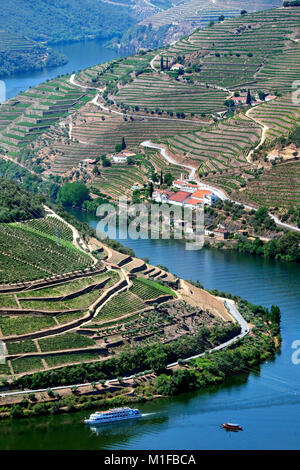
point(162, 63)
point(248, 100)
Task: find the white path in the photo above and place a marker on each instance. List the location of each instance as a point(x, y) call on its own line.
point(216, 191)
point(77, 240)
point(192, 170)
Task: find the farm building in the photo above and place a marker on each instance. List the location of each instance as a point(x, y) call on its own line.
point(238, 100)
point(193, 203)
point(161, 195)
point(119, 158)
point(221, 233)
point(185, 186)
point(205, 196)
point(179, 198)
point(177, 67)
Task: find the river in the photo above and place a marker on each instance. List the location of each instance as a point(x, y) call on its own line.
point(80, 54)
point(266, 404)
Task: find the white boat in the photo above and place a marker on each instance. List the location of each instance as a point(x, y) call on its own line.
point(116, 414)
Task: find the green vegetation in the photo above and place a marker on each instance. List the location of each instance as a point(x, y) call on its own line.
point(26, 346)
point(26, 364)
point(21, 54)
point(122, 304)
point(73, 194)
point(53, 227)
point(57, 360)
point(26, 255)
point(19, 325)
point(147, 289)
point(17, 204)
point(286, 248)
point(69, 287)
point(72, 19)
point(65, 341)
point(155, 356)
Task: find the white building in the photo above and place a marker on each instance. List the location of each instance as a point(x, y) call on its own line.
point(119, 158)
point(185, 186)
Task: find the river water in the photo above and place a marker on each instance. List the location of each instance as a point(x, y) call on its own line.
point(266, 404)
point(80, 54)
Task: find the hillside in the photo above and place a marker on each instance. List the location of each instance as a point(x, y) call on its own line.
point(58, 309)
point(20, 54)
point(70, 19)
point(181, 18)
point(188, 110)
point(17, 204)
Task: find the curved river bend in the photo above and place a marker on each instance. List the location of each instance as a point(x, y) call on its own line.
point(267, 404)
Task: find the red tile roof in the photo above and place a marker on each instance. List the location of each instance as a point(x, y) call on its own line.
point(201, 192)
point(180, 196)
point(193, 201)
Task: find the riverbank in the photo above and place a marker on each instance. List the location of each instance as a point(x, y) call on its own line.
point(183, 376)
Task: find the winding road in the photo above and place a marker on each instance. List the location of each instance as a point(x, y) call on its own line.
point(192, 170)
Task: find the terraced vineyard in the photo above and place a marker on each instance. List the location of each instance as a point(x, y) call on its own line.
point(279, 187)
point(256, 50)
point(120, 305)
point(152, 92)
point(220, 147)
point(279, 116)
point(147, 289)
point(25, 118)
point(19, 53)
point(98, 132)
point(26, 255)
point(50, 226)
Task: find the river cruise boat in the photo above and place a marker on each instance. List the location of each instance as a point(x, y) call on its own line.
point(117, 414)
point(232, 427)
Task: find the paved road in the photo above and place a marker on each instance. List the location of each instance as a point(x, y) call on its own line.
point(244, 331)
point(192, 174)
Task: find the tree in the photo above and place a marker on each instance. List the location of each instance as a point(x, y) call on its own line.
point(16, 412)
point(161, 178)
point(261, 95)
point(73, 194)
point(249, 99)
point(150, 189)
point(221, 18)
point(244, 12)
point(161, 63)
point(168, 179)
point(229, 103)
point(123, 143)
